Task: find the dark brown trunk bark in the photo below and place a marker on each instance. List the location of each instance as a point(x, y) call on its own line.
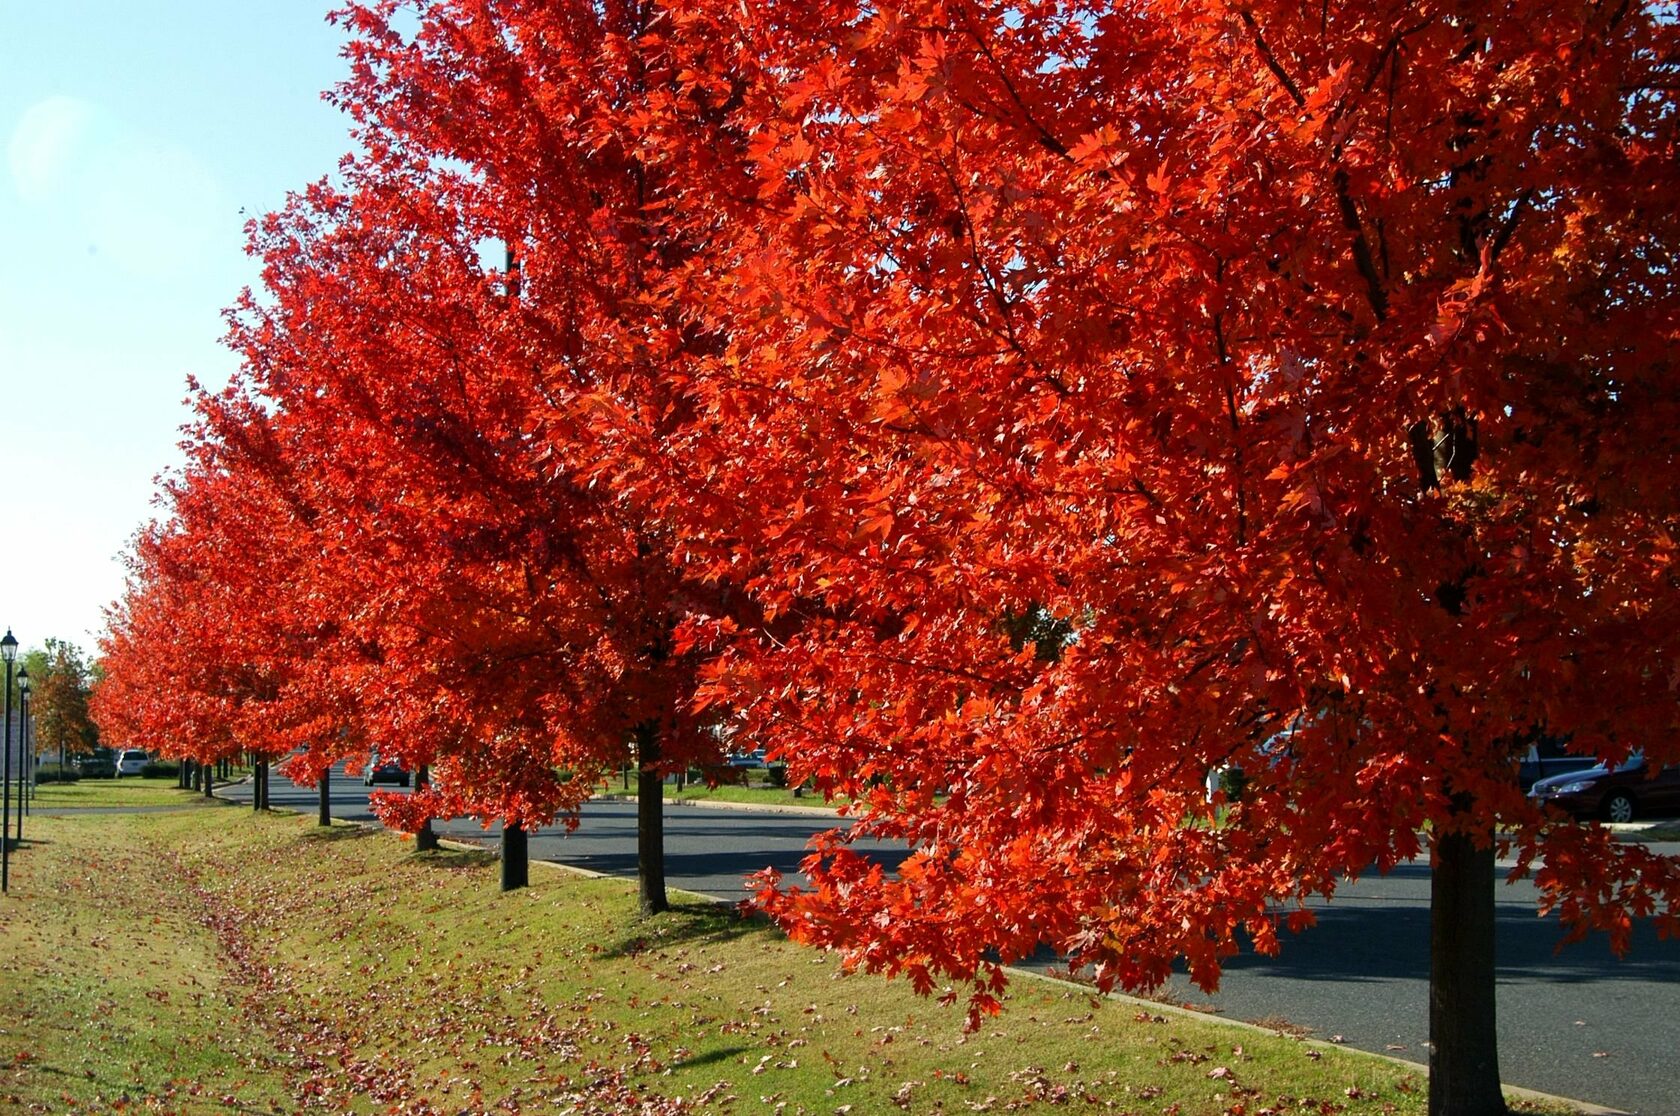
point(259, 784)
point(425, 840)
point(324, 812)
point(650, 823)
point(1463, 1040)
point(516, 862)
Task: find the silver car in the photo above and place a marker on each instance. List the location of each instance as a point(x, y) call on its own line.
point(131, 761)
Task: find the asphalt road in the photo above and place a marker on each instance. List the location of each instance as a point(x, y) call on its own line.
point(707, 850)
point(1574, 1021)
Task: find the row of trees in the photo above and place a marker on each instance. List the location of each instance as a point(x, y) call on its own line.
point(1005, 412)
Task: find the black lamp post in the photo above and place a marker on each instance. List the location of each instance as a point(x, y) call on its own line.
point(29, 750)
point(24, 764)
point(8, 651)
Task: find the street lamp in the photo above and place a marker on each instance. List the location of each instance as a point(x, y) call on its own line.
point(24, 764)
point(8, 651)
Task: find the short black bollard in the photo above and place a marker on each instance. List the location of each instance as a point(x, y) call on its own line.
point(516, 864)
point(426, 839)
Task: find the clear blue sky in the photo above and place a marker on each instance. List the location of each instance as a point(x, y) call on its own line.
point(138, 139)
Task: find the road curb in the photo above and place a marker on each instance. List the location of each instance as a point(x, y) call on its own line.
point(1514, 1092)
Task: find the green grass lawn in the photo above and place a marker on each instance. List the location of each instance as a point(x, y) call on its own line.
point(216, 960)
point(757, 794)
point(130, 791)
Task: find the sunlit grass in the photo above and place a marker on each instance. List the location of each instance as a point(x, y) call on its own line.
point(115, 991)
point(757, 795)
point(132, 791)
point(259, 957)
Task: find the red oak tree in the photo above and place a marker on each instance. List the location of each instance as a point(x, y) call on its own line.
point(1282, 370)
point(219, 646)
point(524, 603)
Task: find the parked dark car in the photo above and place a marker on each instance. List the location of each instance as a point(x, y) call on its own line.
point(1546, 758)
point(754, 758)
point(1618, 794)
point(384, 771)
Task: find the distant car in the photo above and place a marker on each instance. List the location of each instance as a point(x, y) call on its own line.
point(754, 758)
point(96, 766)
point(1275, 750)
point(131, 761)
point(384, 771)
point(1617, 794)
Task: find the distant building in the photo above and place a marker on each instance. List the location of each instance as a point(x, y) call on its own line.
point(17, 740)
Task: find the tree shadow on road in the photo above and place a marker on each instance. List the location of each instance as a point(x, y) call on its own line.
point(1367, 942)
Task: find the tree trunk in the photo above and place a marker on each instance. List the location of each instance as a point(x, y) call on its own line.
point(516, 860)
point(209, 779)
point(425, 840)
point(650, 823)
point(259, 783)
point(324, 817)
point(1463, 1041)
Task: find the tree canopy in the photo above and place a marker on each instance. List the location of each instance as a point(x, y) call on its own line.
point(1006, 413)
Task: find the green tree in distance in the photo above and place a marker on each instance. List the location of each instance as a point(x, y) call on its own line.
point(59, 689)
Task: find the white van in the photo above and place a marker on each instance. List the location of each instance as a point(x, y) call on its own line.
point(130, 761)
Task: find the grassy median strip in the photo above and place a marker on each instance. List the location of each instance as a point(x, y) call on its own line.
point(754, 795)
point(129, 792)
point(211, 958)
point(115, 994)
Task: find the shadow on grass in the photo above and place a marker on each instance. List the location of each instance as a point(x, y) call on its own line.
point(453, 858)
point(115, 1087)
point(683, 924)
point(341, 833)
point(711, 1057)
